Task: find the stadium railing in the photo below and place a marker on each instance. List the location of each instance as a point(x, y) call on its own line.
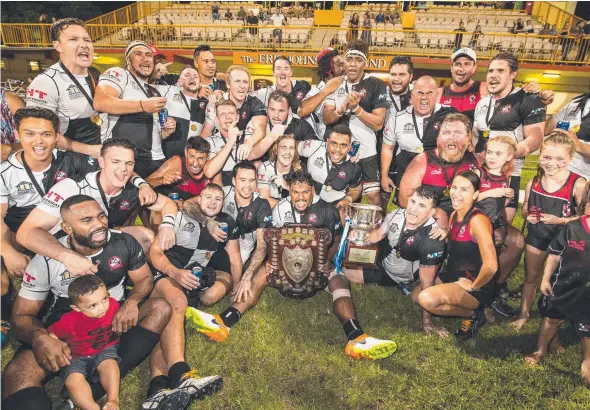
point(222, 36)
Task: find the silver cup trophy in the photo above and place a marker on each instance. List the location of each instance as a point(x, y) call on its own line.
point(364, 218)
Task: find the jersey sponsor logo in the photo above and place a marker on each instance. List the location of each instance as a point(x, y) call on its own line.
point(485, 185)
point(91, 161)
point(436, 171)
point(448, 101)
point(382, 97)
point(53, 199)
point(112, 73)
point(434, 255)
point(319, 162)
point(506, 109)
point(410, 240)
point(25, 187)
point(124, 205)
point(308, 143)
point(338, 225)
point(188, 227)
point(299, 96)
point(115, 263)
point(342, 175)
point(261, 177)
point(312, 218)
point(268, 218)
point(537, 111)
point(60, 175)
point(462, 231)
point(577, 245)
point(409, 128)
point(74, 92)
point(40, 94)
point(28, 278)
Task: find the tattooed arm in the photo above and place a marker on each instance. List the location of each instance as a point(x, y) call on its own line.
point(244, 288)
point(193, 209)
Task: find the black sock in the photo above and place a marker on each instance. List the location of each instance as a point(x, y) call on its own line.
point(175, 373)
point(156, 384)
point(352, 329)
point(230, 316)
point(30, 398)
point(6, 306)
point(501, 289)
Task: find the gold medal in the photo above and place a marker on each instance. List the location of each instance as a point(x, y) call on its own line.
point(398, 253)
point(208, 255)
point(95, 118)
point(420, 149)
point(193, 127)
point(447, 192)
point(328, 188)
point(576, 128)
point(486, 134)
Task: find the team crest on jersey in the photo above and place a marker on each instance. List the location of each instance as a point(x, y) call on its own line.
point(289, 215)
point(183, 182)
point(249, 216)
point(341, 91)
point(583, 328)
point(436, 171)
point(393, 228)
point(74, 92)
point(342, 175)
point(188, 227)
point(299, 96)
point(124, 206)
point(65, 278)
point(60, 175)
point(134, 85)
point(115, 263)
point(308, 143)
point(231, 208)
point(471, 98)
point(409, 128)
point(447, 102)
point(472, 167)
point(319, 162)
point(202, 105)
point(485, 185)
point(410, 240)
point(566, 210)
point(243, 115)
point(362, 92)
point(436, 125)
point(25, 187)
point(462, 231)
point(312, 218)
point(506, 109)
point(177, 98)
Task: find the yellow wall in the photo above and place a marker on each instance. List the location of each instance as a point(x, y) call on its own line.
point(327, 17)
point(569, 6)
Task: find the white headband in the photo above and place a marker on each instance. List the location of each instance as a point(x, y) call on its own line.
point(356, 53)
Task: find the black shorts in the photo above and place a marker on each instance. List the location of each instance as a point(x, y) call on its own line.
point(485, 296)
point(370, 169)
point(549, 310)
point(220, 261)
point(146, 167)
point(515, 185)
point(379, 276)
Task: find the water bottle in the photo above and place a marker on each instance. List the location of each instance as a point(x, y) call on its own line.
point(354, 149)
point(563, 125)
point(163, 116)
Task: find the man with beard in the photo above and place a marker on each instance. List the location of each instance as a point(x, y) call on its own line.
point(464, 93)
point(67, 88)
point(404, 238)
point(222, 155)
point(509, 111)
point(283, 160)
point(360, 102)
point(251, 112)
point(130, 107)
point(119, 198)
point(187, 109)
point(306, 208)
point(415, 130)
point(330, 71)
point(280, 116)
point(295, 89)
point(437, 168)
point(183, 174)
point(117, 257)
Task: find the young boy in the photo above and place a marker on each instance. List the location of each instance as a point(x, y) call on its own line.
point(88, 332)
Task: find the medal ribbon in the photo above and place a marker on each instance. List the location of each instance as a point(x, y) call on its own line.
point(40, 190)
point(82, 89)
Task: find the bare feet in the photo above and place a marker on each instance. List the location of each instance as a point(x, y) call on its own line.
point(518, 323)
point(533, 359)
point(111, 405)
point(586, 373)
point(556, 347)
point(489, 315)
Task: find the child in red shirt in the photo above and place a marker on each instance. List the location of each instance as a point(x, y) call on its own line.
point(87, 330)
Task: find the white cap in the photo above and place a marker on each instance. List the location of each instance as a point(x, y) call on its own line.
point(464, 52)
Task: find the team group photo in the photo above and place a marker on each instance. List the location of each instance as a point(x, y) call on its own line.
point(295, 205)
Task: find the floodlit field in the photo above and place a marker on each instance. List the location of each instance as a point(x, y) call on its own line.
point(287, 354)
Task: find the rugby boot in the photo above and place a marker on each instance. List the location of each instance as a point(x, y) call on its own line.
point(167, 399)
point(368, 347)
point(199, 387)
point(469, 327)
point(210, 325)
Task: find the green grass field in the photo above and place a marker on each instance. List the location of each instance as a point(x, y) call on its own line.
point(287, 354)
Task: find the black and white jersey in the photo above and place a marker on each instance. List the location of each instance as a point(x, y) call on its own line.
point(173, 79)
point(141, 128)
point(189, 114)
point(251, 107)
point(193, 241)
point(319, 214)
point(374, 95)
point(121, 254)
point(571, 293)
point(299, 90)
point(415, 246)
point(216, 143)
point(53, 89)
point(118, 208)
point(257, 214)
point(579, 119)
point(264, 174)
point(19, 192)
point(330, 180)
point(507, 116)
point(396, 103)
point(316, 118)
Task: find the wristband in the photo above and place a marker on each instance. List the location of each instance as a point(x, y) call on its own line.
point(168, 219)
point(338, 114)
point(141, 106)
point(138, 181)
point(357, 113)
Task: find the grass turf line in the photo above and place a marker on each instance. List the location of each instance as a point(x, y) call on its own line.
point(287, 354)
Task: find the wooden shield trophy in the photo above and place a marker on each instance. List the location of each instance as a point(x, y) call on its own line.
point(297, 254)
